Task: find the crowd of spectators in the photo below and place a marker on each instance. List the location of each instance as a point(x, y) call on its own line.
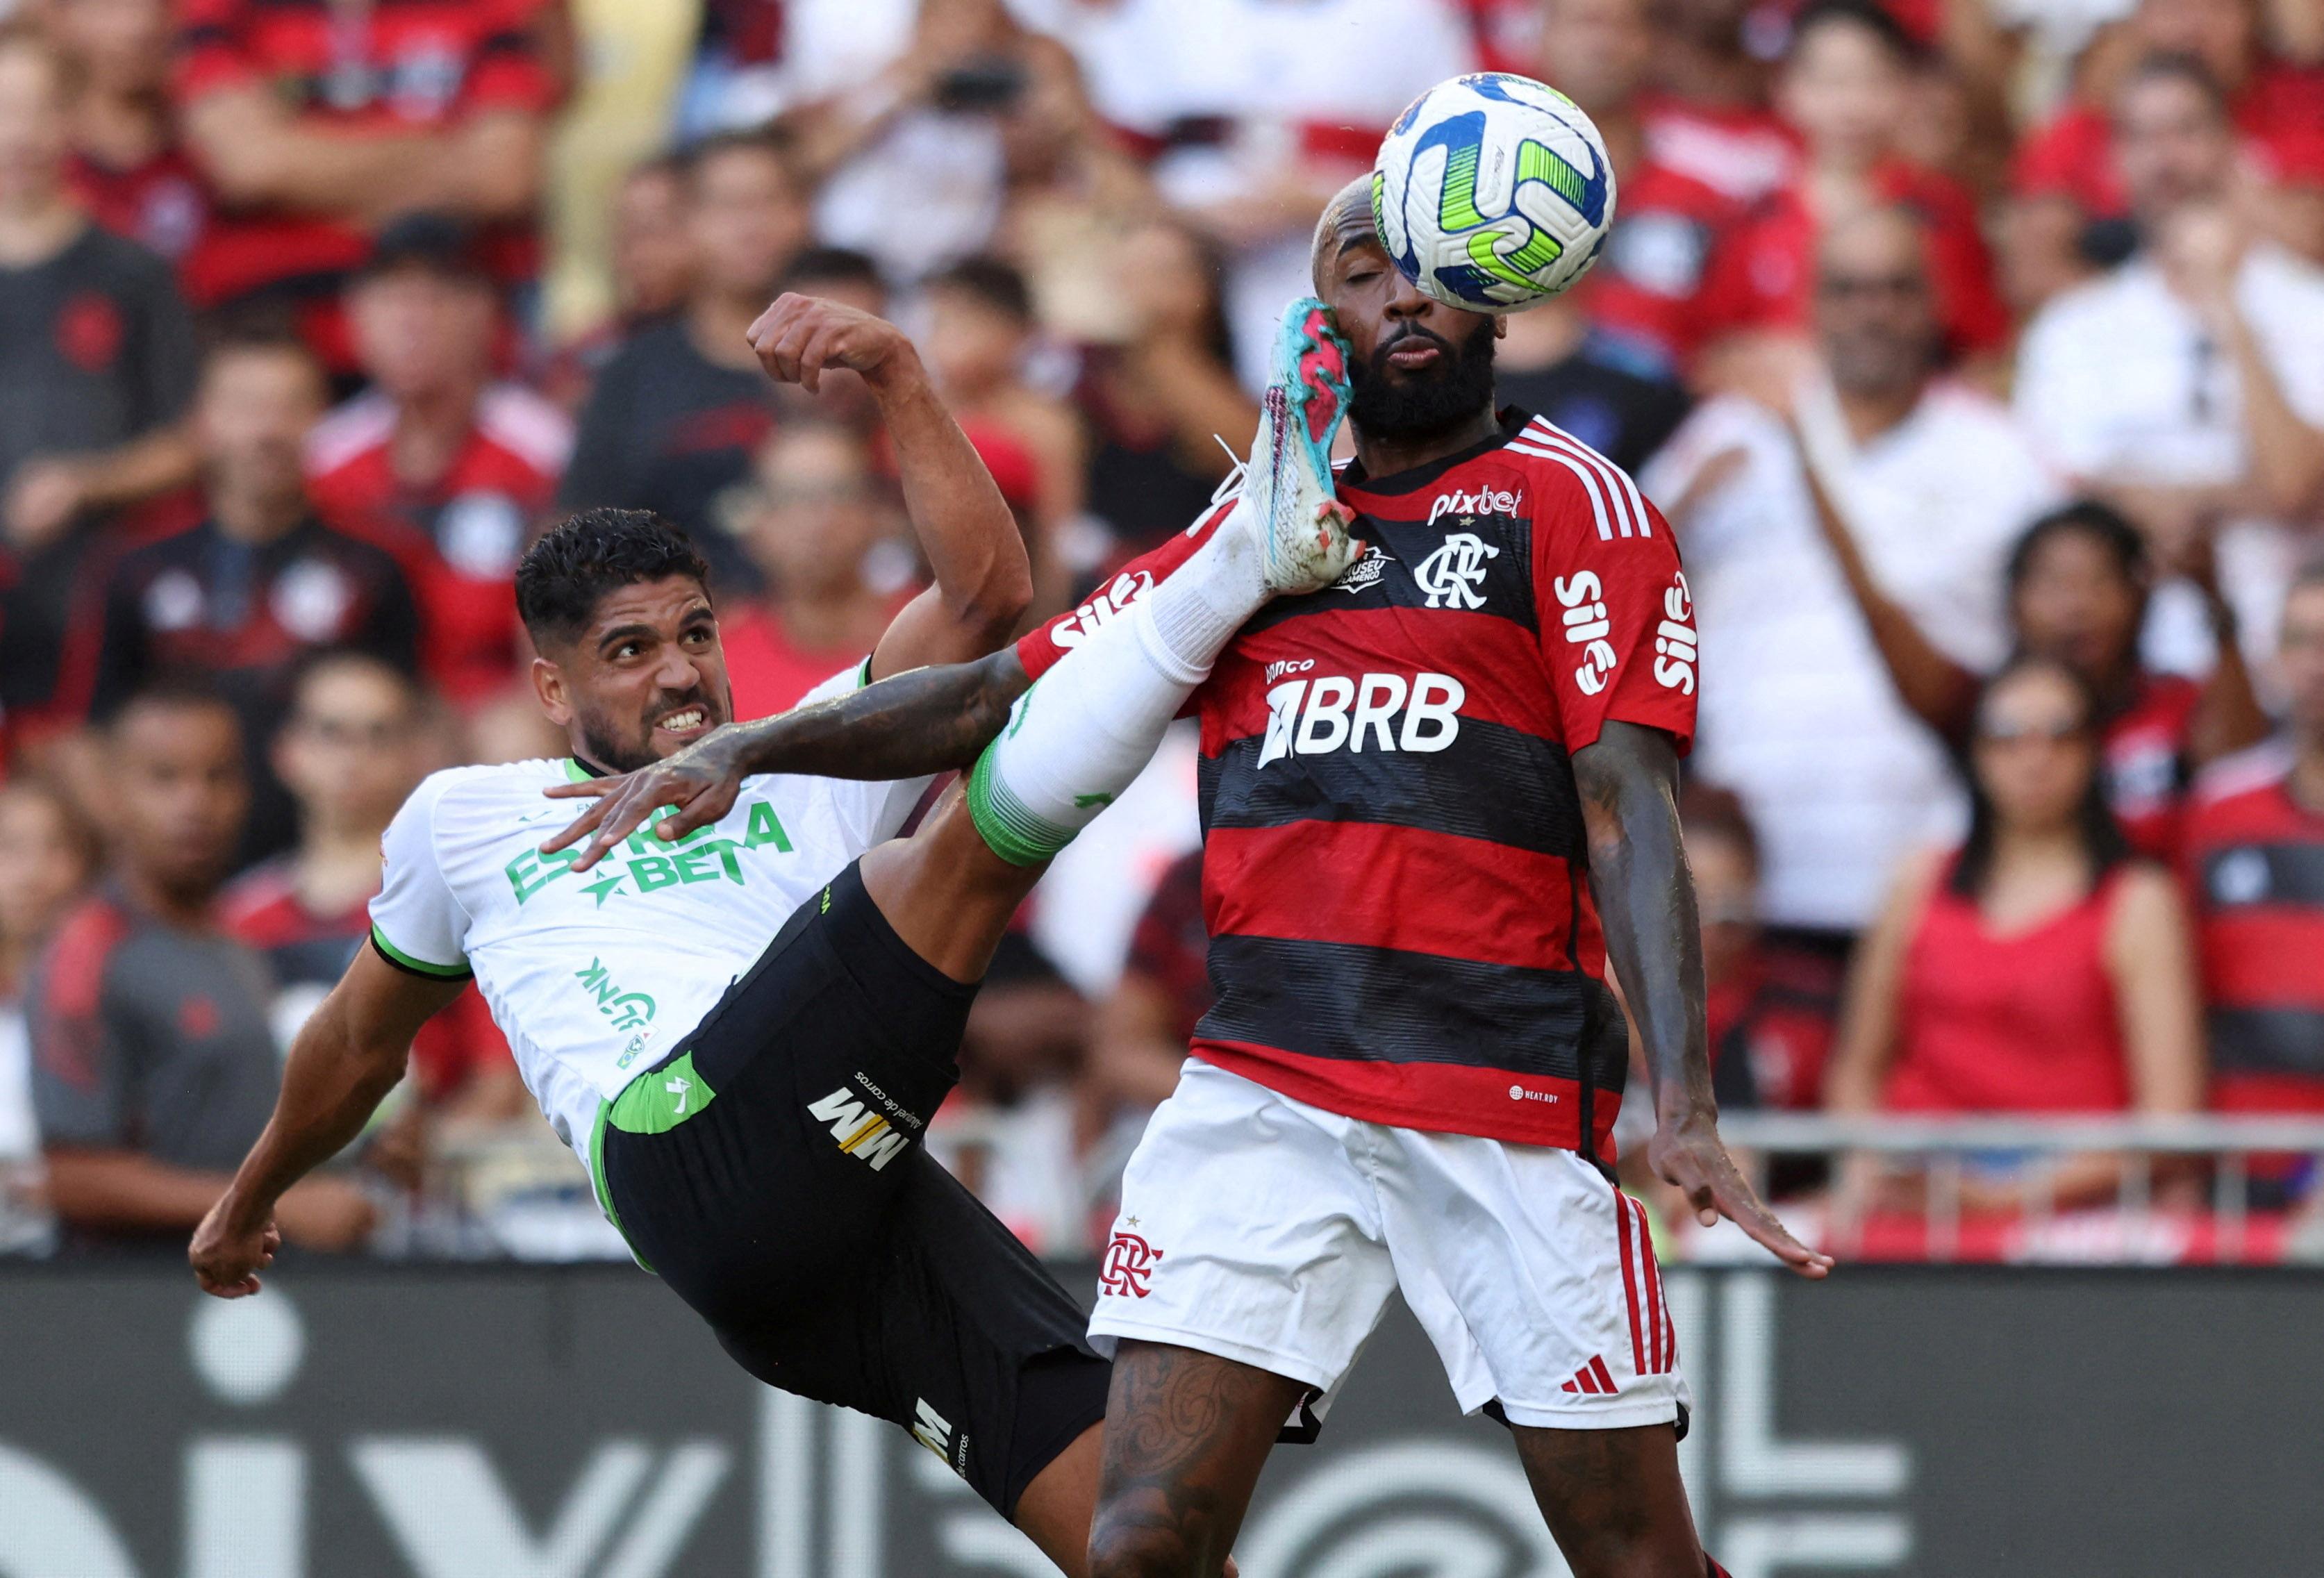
point(1975, 349)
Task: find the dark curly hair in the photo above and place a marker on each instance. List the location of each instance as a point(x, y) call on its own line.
point(594, 552)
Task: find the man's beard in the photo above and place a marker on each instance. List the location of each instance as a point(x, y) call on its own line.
point(614, 755)
point(1422, 407)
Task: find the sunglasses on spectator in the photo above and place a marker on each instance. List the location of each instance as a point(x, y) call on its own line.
point(1862, 287)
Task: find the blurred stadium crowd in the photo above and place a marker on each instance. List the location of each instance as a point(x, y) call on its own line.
point(1976, 349)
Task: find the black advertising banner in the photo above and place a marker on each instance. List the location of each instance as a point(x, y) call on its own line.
point(409, 1422)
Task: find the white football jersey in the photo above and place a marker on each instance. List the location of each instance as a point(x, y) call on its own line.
point(594, 976)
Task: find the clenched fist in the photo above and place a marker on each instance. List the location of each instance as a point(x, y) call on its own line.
point(800, 336)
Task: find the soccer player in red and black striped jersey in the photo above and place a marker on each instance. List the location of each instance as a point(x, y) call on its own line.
point(2255, 865)
point(1438, 797)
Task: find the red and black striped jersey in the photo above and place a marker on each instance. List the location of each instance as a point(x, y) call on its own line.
point(1393, 857)
point(2256, 868)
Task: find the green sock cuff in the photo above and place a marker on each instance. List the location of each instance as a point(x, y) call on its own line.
point(1008, 829)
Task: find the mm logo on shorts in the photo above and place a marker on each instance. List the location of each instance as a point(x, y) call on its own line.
point(860, 1130)
point(934, 1431)
point(1129, 1262)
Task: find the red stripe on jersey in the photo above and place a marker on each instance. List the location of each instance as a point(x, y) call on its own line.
point(2264, 958)
point(1404, 887)
point(1658, 1348)
point(1599, 1373)
point(1499, 666)
point(1443, 1098)
point(2232, 1092)
point(1622, 1209)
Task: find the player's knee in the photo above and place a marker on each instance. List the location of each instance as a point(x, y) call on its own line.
point(1123, 1548)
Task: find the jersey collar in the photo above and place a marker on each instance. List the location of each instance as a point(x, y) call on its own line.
point(1414, 478)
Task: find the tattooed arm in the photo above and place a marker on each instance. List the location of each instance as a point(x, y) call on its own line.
point(924, 720)
point(1628, 782)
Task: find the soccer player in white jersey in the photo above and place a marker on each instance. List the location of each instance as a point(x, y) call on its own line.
point(750, 1109)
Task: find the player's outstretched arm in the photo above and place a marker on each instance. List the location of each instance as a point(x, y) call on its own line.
point(982, 581)
point(346, 1057)
point(1628, 780)
point(923, 722)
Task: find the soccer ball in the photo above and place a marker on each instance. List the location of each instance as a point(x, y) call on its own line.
point(1492, 192)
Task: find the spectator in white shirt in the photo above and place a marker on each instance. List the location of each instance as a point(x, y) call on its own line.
point(1261, 110)
point(1798, 715)
point(2187, 386)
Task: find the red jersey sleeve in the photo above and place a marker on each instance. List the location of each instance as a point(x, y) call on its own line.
point(508, 73)
point(1617, 621)
point(1040, 649)
point(213, 49)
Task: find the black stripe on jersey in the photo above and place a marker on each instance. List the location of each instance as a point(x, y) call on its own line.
point(1506, 588)
point(1492, 782)
point(2248, 875)
point(2268, 1040)
point(1384, 1005)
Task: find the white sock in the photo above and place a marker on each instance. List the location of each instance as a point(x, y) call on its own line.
point(1090, 723)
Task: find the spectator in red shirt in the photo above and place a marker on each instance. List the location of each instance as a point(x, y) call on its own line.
point(825, 516)
point(246, 591)
point(439, 447)
point(1770, 1012)
point(349, 752)
point(1707, 114)
point(315, 120)
point(2079, 581)
point(1844, 88)
point(2278, 109)
point(128, 166)
point(1646, 285)
point(2035, 968)
point(2256, 868)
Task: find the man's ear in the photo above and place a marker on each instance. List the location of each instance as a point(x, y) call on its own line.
point(1501, 326)
point(548, 684)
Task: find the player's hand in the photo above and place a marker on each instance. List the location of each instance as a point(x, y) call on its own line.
point(701, 781)
point(227, 1254)
point(1687, 1154)
point(800, 337)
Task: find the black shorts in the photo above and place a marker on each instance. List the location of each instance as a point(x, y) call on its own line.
point(771, 1171)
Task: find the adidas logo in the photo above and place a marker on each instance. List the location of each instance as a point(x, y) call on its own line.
point(1592, 1379)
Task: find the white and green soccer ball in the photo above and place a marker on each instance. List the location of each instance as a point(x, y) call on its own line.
point(1493, 192)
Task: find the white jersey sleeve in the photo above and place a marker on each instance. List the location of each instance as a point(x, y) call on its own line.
point(418, 922)
point(872, 812)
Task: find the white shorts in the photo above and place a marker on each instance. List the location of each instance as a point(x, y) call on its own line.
point(1271, 1232)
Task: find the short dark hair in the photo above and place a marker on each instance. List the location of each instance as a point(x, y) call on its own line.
point(2101, 523)
point(562, 576)
point(834, 265)
point(172, 690)
point(331, 660)
point(766, 140)
point(1869, 14)
point(260, 329)
point(997, 284)
point(2176, 66)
